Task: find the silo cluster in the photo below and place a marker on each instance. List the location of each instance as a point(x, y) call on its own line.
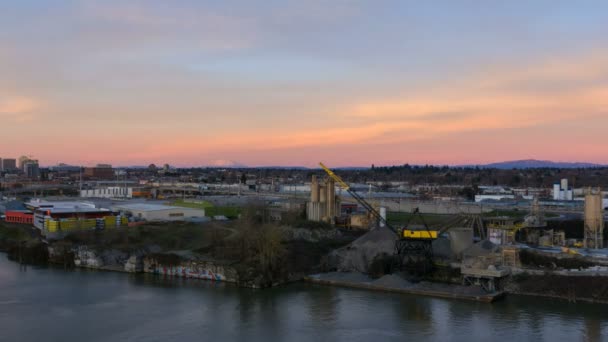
point(324, 204)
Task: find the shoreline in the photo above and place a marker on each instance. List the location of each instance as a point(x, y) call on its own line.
point(444, 291)
point(314, 279)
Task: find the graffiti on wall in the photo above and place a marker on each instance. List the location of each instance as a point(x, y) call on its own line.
point(196, 272)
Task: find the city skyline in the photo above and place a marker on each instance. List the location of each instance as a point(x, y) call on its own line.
point(292, 83)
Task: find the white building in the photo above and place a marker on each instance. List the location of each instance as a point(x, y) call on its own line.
point(480, 198)
point(159, 212)
point(108, 192)
point(562, 192)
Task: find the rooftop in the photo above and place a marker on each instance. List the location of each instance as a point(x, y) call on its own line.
point(144, 206)
point(36, 203)
point(74, 210)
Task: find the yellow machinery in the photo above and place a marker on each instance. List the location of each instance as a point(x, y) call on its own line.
point(570, 251)
point(419, 234)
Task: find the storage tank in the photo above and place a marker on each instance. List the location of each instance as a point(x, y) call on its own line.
point(383, 215)
point(565, 184)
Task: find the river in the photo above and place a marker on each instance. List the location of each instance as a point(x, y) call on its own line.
point(50, 304)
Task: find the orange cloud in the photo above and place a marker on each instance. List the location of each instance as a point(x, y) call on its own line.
point(18, 108)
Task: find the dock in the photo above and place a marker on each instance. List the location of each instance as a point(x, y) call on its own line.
point(436, 290)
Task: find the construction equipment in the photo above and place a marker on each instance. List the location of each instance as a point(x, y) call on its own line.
point(413, 248)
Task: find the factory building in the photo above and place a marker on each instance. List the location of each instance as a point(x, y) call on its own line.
point(108, 192)
point(324, 204)
point(158, 212)
point(562, 192)
point(594, 219)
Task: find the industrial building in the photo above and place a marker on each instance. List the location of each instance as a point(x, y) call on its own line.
point(562, 192)
point(62, 211)
point(158, 212)
point(108, 192)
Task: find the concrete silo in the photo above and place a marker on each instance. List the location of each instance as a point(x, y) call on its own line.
point(594, 219)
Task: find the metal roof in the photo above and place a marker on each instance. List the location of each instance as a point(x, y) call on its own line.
point(73, 210)
point(145, 207)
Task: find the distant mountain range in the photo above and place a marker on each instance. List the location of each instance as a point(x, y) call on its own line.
point(506, 165)
point(533, 163)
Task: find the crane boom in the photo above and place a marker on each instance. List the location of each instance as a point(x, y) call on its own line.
point(335, 177)
point(359, 199)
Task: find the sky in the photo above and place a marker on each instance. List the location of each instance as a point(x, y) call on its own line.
point(292, 83)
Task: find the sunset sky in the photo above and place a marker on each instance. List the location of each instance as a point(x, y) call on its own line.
point(293, 83)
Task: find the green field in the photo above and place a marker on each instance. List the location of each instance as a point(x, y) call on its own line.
point(400, 218)
point(515, 214)
point(198, 205)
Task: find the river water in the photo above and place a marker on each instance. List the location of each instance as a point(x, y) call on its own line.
point(49, 304)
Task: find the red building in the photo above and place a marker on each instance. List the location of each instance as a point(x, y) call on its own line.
point(99, 172)
point(19, 216)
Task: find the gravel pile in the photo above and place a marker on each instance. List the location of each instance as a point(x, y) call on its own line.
point(392, 281)
point(358, 255)
point(481, 248)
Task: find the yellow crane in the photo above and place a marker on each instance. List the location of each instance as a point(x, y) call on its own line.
point(403, 233)
point(413, 248)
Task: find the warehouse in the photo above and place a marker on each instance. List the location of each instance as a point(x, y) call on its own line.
point(158, 212)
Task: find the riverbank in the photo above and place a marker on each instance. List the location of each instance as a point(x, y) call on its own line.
point(396, 283)
point(259, 257)
point(246, 252)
